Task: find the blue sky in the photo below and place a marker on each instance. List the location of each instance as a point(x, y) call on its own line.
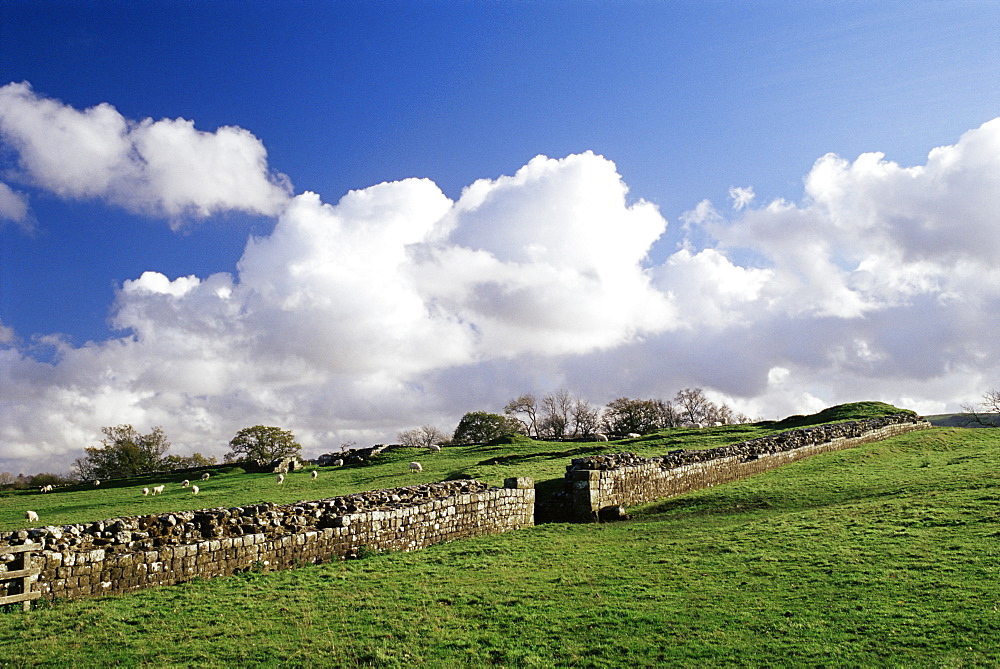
point(684, 102)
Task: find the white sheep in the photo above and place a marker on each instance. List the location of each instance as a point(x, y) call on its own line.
point(31, 515)
point(97, 482)
point(194, 489)
point(158, 489)
point(633, 435)
point(314, 474)
point(415, 467)
point(185, 483)
point(434, 448)
point(205, 476)
point(601, 437)
point(281, 479)
point(338, 463)
point(145, 491)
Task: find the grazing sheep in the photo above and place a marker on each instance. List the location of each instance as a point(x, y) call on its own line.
point(415, 467)
point(601, 437)
point(97, 482)
point(634, 435)
point(145, 491)
point(314, 474)
point(185, 483)
point(45, 488)
point(194, 489)
point(338, 463)
point(158, 489)
point(434, 448)
point(205, 476)
point(31, 515)
point(281, 479)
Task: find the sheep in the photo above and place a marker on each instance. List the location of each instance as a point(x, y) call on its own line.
point(194, 489)
point(45, 488)
point(338, 463)
point(185, 483)
point(415, 467)
point(31, 515)
point(601, 437)
point(145, 491)
point(205, 476)
point(158, 489)
point(633, 435)
point(97, 482)
point(314, 474)
point(281, 479)
point(434, 448)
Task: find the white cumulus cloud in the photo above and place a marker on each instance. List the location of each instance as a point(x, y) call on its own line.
point(13, 205)
point(165, 168)
point(397, 306)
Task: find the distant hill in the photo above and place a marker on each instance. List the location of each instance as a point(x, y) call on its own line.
point(836, 414)
point(958, 420)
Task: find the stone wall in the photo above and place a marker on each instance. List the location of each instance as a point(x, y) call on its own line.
point(125, 554)
point(597, 487)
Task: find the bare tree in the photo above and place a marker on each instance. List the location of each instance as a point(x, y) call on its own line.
point(585, 418)
point(693, 407)
point(721, 413)
point(987, 412)
point(524, 409)
point(555, 410)
point(421, 437)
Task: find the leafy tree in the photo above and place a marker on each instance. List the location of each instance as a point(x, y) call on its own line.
point(262, 443)
point(524, 409)
point(421, 437)
point(624, 415)
point(187, 461)
point(987, 412)
point(480, 427)
point(123, 452)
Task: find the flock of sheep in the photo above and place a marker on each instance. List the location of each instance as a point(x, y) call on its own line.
point(32, 516)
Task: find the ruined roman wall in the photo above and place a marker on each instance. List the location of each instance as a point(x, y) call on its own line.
point(126, 554)
point(597, 486)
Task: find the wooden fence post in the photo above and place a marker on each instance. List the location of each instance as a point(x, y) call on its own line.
point(22, 572)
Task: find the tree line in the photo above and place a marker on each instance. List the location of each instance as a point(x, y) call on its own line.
point(560, 415)
point(126, 452)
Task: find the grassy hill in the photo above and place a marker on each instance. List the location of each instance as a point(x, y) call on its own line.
point(882, 555)
point(230, 486)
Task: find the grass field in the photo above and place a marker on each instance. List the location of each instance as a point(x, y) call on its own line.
point(882, 555)
point(230, 486)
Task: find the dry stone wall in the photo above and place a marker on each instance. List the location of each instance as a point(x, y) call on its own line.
point(126, 554)
point(597, 487)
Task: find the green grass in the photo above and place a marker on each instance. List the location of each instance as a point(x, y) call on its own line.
point(230, 486)
point(883, 555)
